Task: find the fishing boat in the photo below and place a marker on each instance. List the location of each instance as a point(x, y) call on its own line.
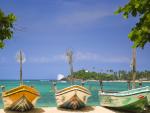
point(23, 97)
point(75, 96)
point(135, 99)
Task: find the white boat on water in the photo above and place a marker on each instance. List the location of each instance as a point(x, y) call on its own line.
point(62, 81)
point(60, 77)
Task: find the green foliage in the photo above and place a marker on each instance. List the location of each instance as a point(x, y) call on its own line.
point(140, 33)
point(6, 27)
point(81, 74)
point(111, 75)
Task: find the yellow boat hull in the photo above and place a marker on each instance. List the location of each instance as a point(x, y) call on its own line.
point(22, 98)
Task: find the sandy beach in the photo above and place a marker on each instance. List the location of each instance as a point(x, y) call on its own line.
point(96, 109)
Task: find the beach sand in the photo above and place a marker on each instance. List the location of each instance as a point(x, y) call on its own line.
point(96, 109)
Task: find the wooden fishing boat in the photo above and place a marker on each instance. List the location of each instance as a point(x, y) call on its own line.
point(135, 99)
point(131, 100)
point(23, 97)
point(73, 97)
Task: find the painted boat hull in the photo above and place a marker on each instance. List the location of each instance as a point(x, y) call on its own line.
point(73, 97)
point(22, 98)
point(132, 100)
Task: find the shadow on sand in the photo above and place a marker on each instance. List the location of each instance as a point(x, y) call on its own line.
point(35, 110)
point(85, 109)
point(124, 111)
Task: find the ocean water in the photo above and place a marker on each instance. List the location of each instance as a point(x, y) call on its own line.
point(47, 98)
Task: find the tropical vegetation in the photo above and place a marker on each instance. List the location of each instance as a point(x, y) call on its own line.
point(110, 75)
point(140, 33)
point(6, 27)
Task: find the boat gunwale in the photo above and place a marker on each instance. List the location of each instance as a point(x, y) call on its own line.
point(73, 86)
point(127, 93)
point(70, 90)
point(21, 87)
point(21, 90)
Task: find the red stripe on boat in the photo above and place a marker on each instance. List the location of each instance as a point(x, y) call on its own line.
point(141, 96)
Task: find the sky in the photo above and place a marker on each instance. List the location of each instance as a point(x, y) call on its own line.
point(45, 29)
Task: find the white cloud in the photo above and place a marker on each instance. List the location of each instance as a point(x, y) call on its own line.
point(82, 56)
point(86, 56)
point(59, 57)
point(39, 60)
point(77, 57)
point(82, 17)
point(78, 15)
point(47, 59)
point(89, 56)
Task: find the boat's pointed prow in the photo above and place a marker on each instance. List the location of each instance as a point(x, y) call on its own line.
point(73, 97)
point(131, 100)
point(22, 98)
point(22, 104)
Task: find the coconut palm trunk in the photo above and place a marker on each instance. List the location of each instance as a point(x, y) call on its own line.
point(134, 67)
point(21, 57)
point(69, 55)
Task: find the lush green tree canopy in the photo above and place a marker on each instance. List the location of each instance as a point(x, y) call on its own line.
point(6, 27)
point(111, 75)
point(140, 33)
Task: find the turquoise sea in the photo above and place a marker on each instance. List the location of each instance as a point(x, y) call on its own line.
point(47, 98)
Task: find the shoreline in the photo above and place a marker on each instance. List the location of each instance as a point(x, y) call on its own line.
point(117, 81)
point(26, 80)
point(88, 109)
